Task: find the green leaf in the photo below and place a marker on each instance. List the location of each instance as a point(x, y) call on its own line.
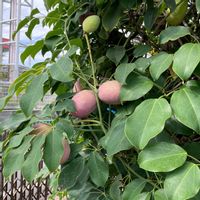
point(183, 183)
point(122, 72)
point(186, 60)
point(15, 158)
point(147, 121)
point(186, 107)
point(71, 172)
point(160, 195)
point(197, 5)
point(33, 94)
point(162, 157)
point(137, 86)
point(115, 192)
point(53, 149)
point(133, 189)
point(142, 64)
point(16, 140)
point(62, 69)
point(13, 121)
point(111, 16)
point(66, 105)
point(32, 50)
point(30, 167)
point(141, 50)
point(31, 26)
point(142, 196)
point(115, 140)
point(192, 149)
point(50, 3)
point(115, 54)
point(172, 33)
point(159, 64)
point(98, 168)
point(171, 4)
point(150, 17)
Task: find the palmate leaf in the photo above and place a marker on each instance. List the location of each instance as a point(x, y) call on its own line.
point(147, 121)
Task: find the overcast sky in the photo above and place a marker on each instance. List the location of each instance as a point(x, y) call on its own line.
point(37, 34)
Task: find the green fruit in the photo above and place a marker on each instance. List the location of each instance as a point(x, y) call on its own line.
point(176, 17)
point(91, 23)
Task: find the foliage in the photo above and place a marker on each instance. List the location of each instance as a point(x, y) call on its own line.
point(145, 148)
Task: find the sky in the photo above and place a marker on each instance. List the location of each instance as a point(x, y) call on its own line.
point(38, 33)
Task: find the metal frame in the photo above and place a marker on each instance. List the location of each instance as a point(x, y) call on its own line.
point(14, 45)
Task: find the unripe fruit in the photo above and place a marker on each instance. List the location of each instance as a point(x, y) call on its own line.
point(176, 17)
point(109, 92)
point(84, 102)
point(77, 86)
point(66, 153)
point(91, 23)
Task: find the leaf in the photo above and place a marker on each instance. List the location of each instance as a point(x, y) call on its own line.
point(71, 172)
point(142, 64)
point(159, 64)
point(137, 86)
point(34, 156)
point(31, 26)
point(111, 16)
point(53, 149)
point(115, 192)
point(171, 4)
point(160, 195)
point(186, 60)
point(13, 121)
point(122, 72)
point(147, 121)
point(115, 140)
point(133, 189)
point(14, 158)
point(142, 196)
point(62, 69)
point(66, 105)
point(115, 54)
point(162, 157)
point(172, 33)
point(186, 107)
point(197, 5)
point(16, 140)
point(141, 50)
point(32, 50)
point(98, 168)
point(150, 17)
point(183, 183)
point(33, 94)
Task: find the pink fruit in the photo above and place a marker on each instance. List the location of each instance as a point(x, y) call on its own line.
point(85, 103)
point(66, 153)
point(77, 86)
point(109, 92)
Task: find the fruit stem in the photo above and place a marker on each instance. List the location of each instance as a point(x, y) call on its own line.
point(95, 82)
point(76, 62)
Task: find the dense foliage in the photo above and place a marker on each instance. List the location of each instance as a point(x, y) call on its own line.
point(145, 147)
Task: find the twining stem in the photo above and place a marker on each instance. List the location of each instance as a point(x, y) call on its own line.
point(95, 82)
